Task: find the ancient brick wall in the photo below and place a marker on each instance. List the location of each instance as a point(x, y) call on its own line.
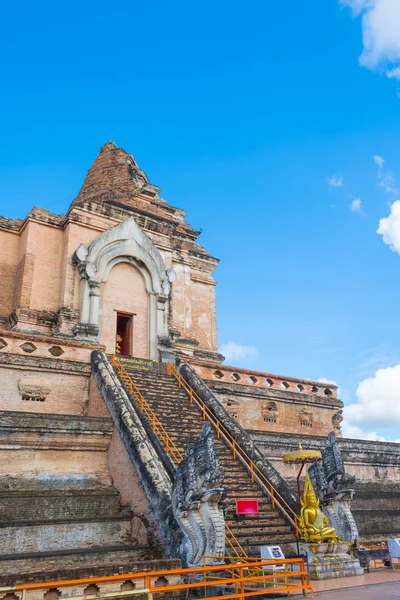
point(45, 244)
point(270, 402)
point(8, 266)
point(47, 537)
point(193, 311)
point(65, 450)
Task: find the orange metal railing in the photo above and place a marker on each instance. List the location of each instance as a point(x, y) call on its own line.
point(156, 425)
point(238, 452)
point(240, 580)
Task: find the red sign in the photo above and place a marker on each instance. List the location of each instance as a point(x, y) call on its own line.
point(246, 507)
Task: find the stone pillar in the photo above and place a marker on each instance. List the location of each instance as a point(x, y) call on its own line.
point(94, 296)
point(152, 327)
point(84, 301)
point(83, 294)
point(84, 328)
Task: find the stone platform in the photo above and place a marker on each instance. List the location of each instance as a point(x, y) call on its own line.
point(330, 561)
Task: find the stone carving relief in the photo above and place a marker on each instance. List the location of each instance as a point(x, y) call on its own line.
point(34, 388)
point(332, 485)
point(337, 419)
point(306, 418)
point(269, 412)
point(197, 502)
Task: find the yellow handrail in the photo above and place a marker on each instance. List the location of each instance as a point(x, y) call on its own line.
point(158, 428)
point(155, 424)
point(255, 472)
point(228, 537)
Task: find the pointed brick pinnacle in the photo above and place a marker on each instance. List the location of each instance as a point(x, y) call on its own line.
point(114, 175)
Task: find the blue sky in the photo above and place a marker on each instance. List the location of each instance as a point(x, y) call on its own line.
point(245, 115)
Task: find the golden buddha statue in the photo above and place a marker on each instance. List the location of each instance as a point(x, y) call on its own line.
point(118, 344)
point(314, 526)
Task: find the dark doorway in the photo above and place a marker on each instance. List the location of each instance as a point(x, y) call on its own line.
point(123, 342)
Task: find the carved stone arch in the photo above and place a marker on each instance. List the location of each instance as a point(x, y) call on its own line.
point(125, 242)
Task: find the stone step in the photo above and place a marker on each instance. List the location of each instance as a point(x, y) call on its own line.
point(263, 525)
point(25, 505)
point(270, 516)
point(68, 564)
point(168, 402)
point(30, 536)
point(242, 494)
point(267, 528)
point(263, 538)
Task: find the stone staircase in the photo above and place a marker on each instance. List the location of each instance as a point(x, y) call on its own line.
point(183, 421)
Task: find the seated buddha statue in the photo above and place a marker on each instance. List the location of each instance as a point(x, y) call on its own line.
point(314, 524)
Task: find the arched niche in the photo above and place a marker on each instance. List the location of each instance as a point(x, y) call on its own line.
point(124, 242)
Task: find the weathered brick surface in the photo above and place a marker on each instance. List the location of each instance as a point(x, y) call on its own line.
point(97, 407)
point(270, 402)
point(47, 341)
point(30, 537)
point(56, 493)
point(62, 450)
point(48, 504)
point(68, 393)
point(8, 272)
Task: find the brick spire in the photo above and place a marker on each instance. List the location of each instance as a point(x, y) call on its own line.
point(115, 176)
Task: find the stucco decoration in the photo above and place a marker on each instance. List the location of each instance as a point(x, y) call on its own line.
point(331, 484)
point(34, 387)
point(197, 502)
point(125, 242)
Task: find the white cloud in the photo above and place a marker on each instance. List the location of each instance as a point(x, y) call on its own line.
point(387, 179)
point(325, 380)
point(379, 160)
point(380, 32)
point(356, 433)
point(335, 181)
point(394, 73)
point(233, 351)
point(356, 206)
point(389, 227)
point(378, 401)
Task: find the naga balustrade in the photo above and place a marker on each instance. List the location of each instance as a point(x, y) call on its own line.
point(240, 580)
point(169, 446)
point(238, 452)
